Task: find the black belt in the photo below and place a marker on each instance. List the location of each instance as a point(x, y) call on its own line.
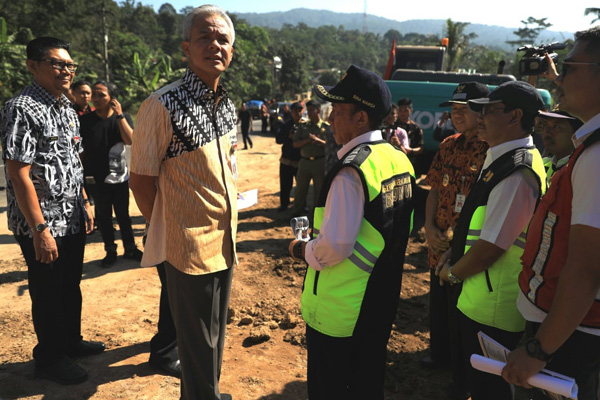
point(312, 158)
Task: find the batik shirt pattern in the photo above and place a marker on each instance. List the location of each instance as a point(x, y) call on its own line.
point(183, 137)
point(191, 107)
point(39, 130)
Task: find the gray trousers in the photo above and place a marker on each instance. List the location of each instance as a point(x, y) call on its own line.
point(199, 307)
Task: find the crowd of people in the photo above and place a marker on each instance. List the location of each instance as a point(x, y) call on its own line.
point(512, 237)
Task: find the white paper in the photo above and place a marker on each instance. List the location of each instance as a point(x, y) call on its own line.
point(545, 379)
point(247, 199)
point(491, 348)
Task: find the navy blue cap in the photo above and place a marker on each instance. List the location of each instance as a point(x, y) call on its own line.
point(360, 86)
point(517, 94)
point(467, 91)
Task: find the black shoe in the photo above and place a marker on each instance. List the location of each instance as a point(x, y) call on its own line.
point(133, 254)
point(86, 348)
point(110, 259)
point(64, 371)
point(225, 396)
point(282, 208)
point(172, 368)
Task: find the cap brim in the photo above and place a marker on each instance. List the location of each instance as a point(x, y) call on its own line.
point(450, 102)
point(477, 104)
point(550, 114)
point(324, 92)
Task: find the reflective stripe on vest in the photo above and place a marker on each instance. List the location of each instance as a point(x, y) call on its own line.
point(547, 246)
point(489, 297)
point(332, 298)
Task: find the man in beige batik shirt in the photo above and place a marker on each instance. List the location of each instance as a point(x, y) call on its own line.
point(182, 180)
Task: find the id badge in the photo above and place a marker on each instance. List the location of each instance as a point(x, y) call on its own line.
point(460, 202)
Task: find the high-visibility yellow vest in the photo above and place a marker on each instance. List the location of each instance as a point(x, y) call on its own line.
point(490, 297)
point(366, 285)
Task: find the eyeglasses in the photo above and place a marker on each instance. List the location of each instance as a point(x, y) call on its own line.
point(565, 65)
point(59, 65)
point(487, 110)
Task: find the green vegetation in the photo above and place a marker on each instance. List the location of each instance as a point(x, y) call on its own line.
point(144, 49)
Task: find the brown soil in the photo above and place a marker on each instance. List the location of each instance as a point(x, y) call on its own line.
point(265, 354)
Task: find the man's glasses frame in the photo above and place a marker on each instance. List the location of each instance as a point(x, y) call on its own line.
point(59, 64)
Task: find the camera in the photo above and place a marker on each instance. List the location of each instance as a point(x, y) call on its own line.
point(533, 62)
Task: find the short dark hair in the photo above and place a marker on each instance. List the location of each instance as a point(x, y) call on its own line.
point(313, 103)
point(591, 37)
point(394, 107)
point(113, 91)
point(38, 48)
point(405, 101)
point(79, 84)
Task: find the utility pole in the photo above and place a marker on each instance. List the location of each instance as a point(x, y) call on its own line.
point(105, 31)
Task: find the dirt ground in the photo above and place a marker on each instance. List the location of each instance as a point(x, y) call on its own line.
point(265, 355)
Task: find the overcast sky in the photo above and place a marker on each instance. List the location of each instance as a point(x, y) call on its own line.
point(508, 13)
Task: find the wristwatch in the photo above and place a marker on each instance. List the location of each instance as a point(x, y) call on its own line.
point(40, 227)
point(453, 278)
point(534, 349)
point(120, 116)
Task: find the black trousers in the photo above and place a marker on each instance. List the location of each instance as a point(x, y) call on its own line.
point(287, 173)
point(109, 196)
point(484, 386)
point(346, 368)
point(163, 345)
point(439, 330)
point(55, 296)
point(199, 307)
point(578, 358)
point(246, 137)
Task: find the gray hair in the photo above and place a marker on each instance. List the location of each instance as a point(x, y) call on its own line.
point(205, 11)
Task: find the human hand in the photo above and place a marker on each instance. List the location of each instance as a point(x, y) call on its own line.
point(395, 141)
point(441, 269)
point(293, 253)
point(45, 247)
point(116, 106)
point(520, 367)
point(552, 74)
point(436, 239)
point(89, 223)
point(445, 117)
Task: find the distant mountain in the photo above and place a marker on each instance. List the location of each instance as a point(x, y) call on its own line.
point(491, 36)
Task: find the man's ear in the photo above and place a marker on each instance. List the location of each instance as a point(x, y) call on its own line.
point(32, 66)
point(363, 119)
point(185, 46)
point(516, 116)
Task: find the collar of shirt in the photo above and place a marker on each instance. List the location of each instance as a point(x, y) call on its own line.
point(587, 128)
point(557, 164)
point(495, 152)
point(199, 89)
point(46, 98)
point(371, 136)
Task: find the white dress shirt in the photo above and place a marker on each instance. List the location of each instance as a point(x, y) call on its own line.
point(344, 210)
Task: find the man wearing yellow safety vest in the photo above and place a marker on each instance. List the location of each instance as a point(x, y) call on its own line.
point(558, 128)
point(490, 234)
point(361, 226)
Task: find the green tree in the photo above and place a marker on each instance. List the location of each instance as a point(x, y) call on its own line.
point(529, 33)
point(458, 42)
point(13, 72)
point(593, 11)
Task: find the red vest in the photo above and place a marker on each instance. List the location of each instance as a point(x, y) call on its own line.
point(548, 241)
